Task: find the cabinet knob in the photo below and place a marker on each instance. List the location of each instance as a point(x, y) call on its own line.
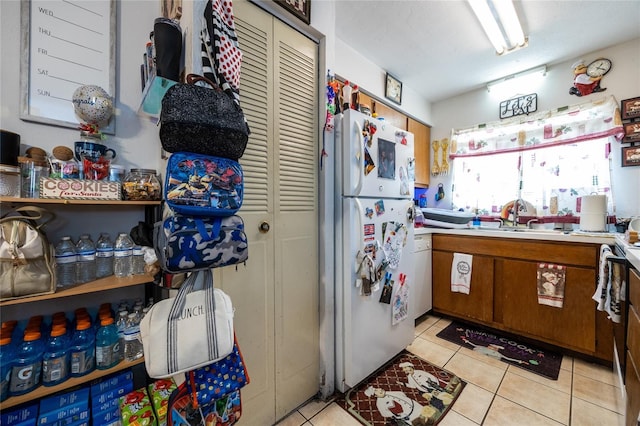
point(264, 227)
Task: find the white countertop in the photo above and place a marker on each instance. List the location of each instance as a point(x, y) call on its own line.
point(526, 234)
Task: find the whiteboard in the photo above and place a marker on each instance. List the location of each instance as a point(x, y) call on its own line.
point(65, 44)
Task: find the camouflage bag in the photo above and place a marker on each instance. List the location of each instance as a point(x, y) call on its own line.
point(186, 243)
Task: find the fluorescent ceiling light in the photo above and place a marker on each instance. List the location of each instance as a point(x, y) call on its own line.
point(538, 71)
point(500, 22)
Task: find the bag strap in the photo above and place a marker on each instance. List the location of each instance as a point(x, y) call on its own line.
point(37, 216)
point(215, 230)
point(195, 78)
point(206, 278)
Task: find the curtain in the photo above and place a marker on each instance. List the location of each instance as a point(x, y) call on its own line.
point(581, 122)
point(549, 161)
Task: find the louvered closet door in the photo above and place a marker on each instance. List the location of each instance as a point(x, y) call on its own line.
point(276, 294)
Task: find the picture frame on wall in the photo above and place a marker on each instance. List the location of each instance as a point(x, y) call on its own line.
point(630, 156)
point(393, 89)
point(631, 132)
point(630, 108)
point(300, 8)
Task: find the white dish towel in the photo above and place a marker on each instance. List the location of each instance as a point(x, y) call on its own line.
point(461, 273)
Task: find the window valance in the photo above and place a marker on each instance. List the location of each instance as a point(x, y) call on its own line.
point(580, 122)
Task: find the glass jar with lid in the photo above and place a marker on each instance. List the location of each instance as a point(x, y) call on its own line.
point(141, 185)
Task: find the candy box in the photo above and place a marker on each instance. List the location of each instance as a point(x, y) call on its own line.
point(159, 393)
point(136, 409)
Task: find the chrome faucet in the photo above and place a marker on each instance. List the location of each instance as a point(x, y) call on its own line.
point(515, 211)
point(529, 222)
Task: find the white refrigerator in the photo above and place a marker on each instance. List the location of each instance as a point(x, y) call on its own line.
point(374, 245)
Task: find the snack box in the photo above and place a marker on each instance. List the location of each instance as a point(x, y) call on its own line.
point(106, 417)
point(25, 416)
point(53, 403)
point(100, 399)
point(136, 409)
point(81, 417)
point(111, 382)
point(159, 393)
point(106, 406)
point(62, 413)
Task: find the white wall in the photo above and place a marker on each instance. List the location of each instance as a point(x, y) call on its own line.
point(351, 65)
point(480, 106)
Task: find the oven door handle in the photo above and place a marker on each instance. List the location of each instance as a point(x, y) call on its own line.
point(617, 259)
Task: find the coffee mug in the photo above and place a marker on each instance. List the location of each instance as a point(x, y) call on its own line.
point(93, 150)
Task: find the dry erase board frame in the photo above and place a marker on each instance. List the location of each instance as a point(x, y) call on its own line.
point(65, 44)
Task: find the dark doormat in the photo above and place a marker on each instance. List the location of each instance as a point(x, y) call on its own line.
point(539, 361)
point(406, 391)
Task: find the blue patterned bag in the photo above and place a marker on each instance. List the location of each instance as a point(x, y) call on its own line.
point(203, 185)
point(219, 379)
point(185, 243)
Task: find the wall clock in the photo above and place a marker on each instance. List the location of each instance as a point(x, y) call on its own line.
point(393, 89)
point(599, 67)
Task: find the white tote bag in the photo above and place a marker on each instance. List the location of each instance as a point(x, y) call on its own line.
point(189, 331)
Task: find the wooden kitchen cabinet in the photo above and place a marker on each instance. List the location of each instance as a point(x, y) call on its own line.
point(390, 115)
point(478, 304)
point(572, 325)
point(421, 143)
point(632, 373)
point(504, 290)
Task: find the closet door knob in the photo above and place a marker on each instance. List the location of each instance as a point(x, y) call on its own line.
point(264, 227)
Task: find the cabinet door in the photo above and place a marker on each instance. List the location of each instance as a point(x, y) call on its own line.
point(478, 304)
point(572, 325)
point(390, 115)
point(421, 142)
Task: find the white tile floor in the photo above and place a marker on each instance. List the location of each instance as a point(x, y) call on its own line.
point(497, 393)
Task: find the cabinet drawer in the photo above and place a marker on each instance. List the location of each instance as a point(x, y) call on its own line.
point(633, 332)
point(632, 386)
point(634, 288)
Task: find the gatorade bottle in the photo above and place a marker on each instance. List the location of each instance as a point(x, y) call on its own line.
point(83, 349)
point(26, 372)
point(7, 359)
point(107, 344)
point(55, 360)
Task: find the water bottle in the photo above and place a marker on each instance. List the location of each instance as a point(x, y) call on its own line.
point(104, 256)
point(7, 359)
point(107, 344)
point(132, 340)
point(27, 369)
point(121, 324)
point(86, 260)
point(65, 256)
point(83, 349)
point(55, 360)
point(122, 253)
point(137, 261)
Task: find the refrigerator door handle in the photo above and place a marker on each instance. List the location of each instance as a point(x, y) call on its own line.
point(358, 221)
point(360, 158)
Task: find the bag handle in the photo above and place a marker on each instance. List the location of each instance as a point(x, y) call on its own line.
point(31, 214)
point(215, 229)
point(206, 278)
point(195, 78)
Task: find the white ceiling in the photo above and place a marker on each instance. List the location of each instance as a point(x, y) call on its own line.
point(438, 48)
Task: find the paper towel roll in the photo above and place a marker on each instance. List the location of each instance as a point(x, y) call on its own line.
point(593, 204)
point(593, 222)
